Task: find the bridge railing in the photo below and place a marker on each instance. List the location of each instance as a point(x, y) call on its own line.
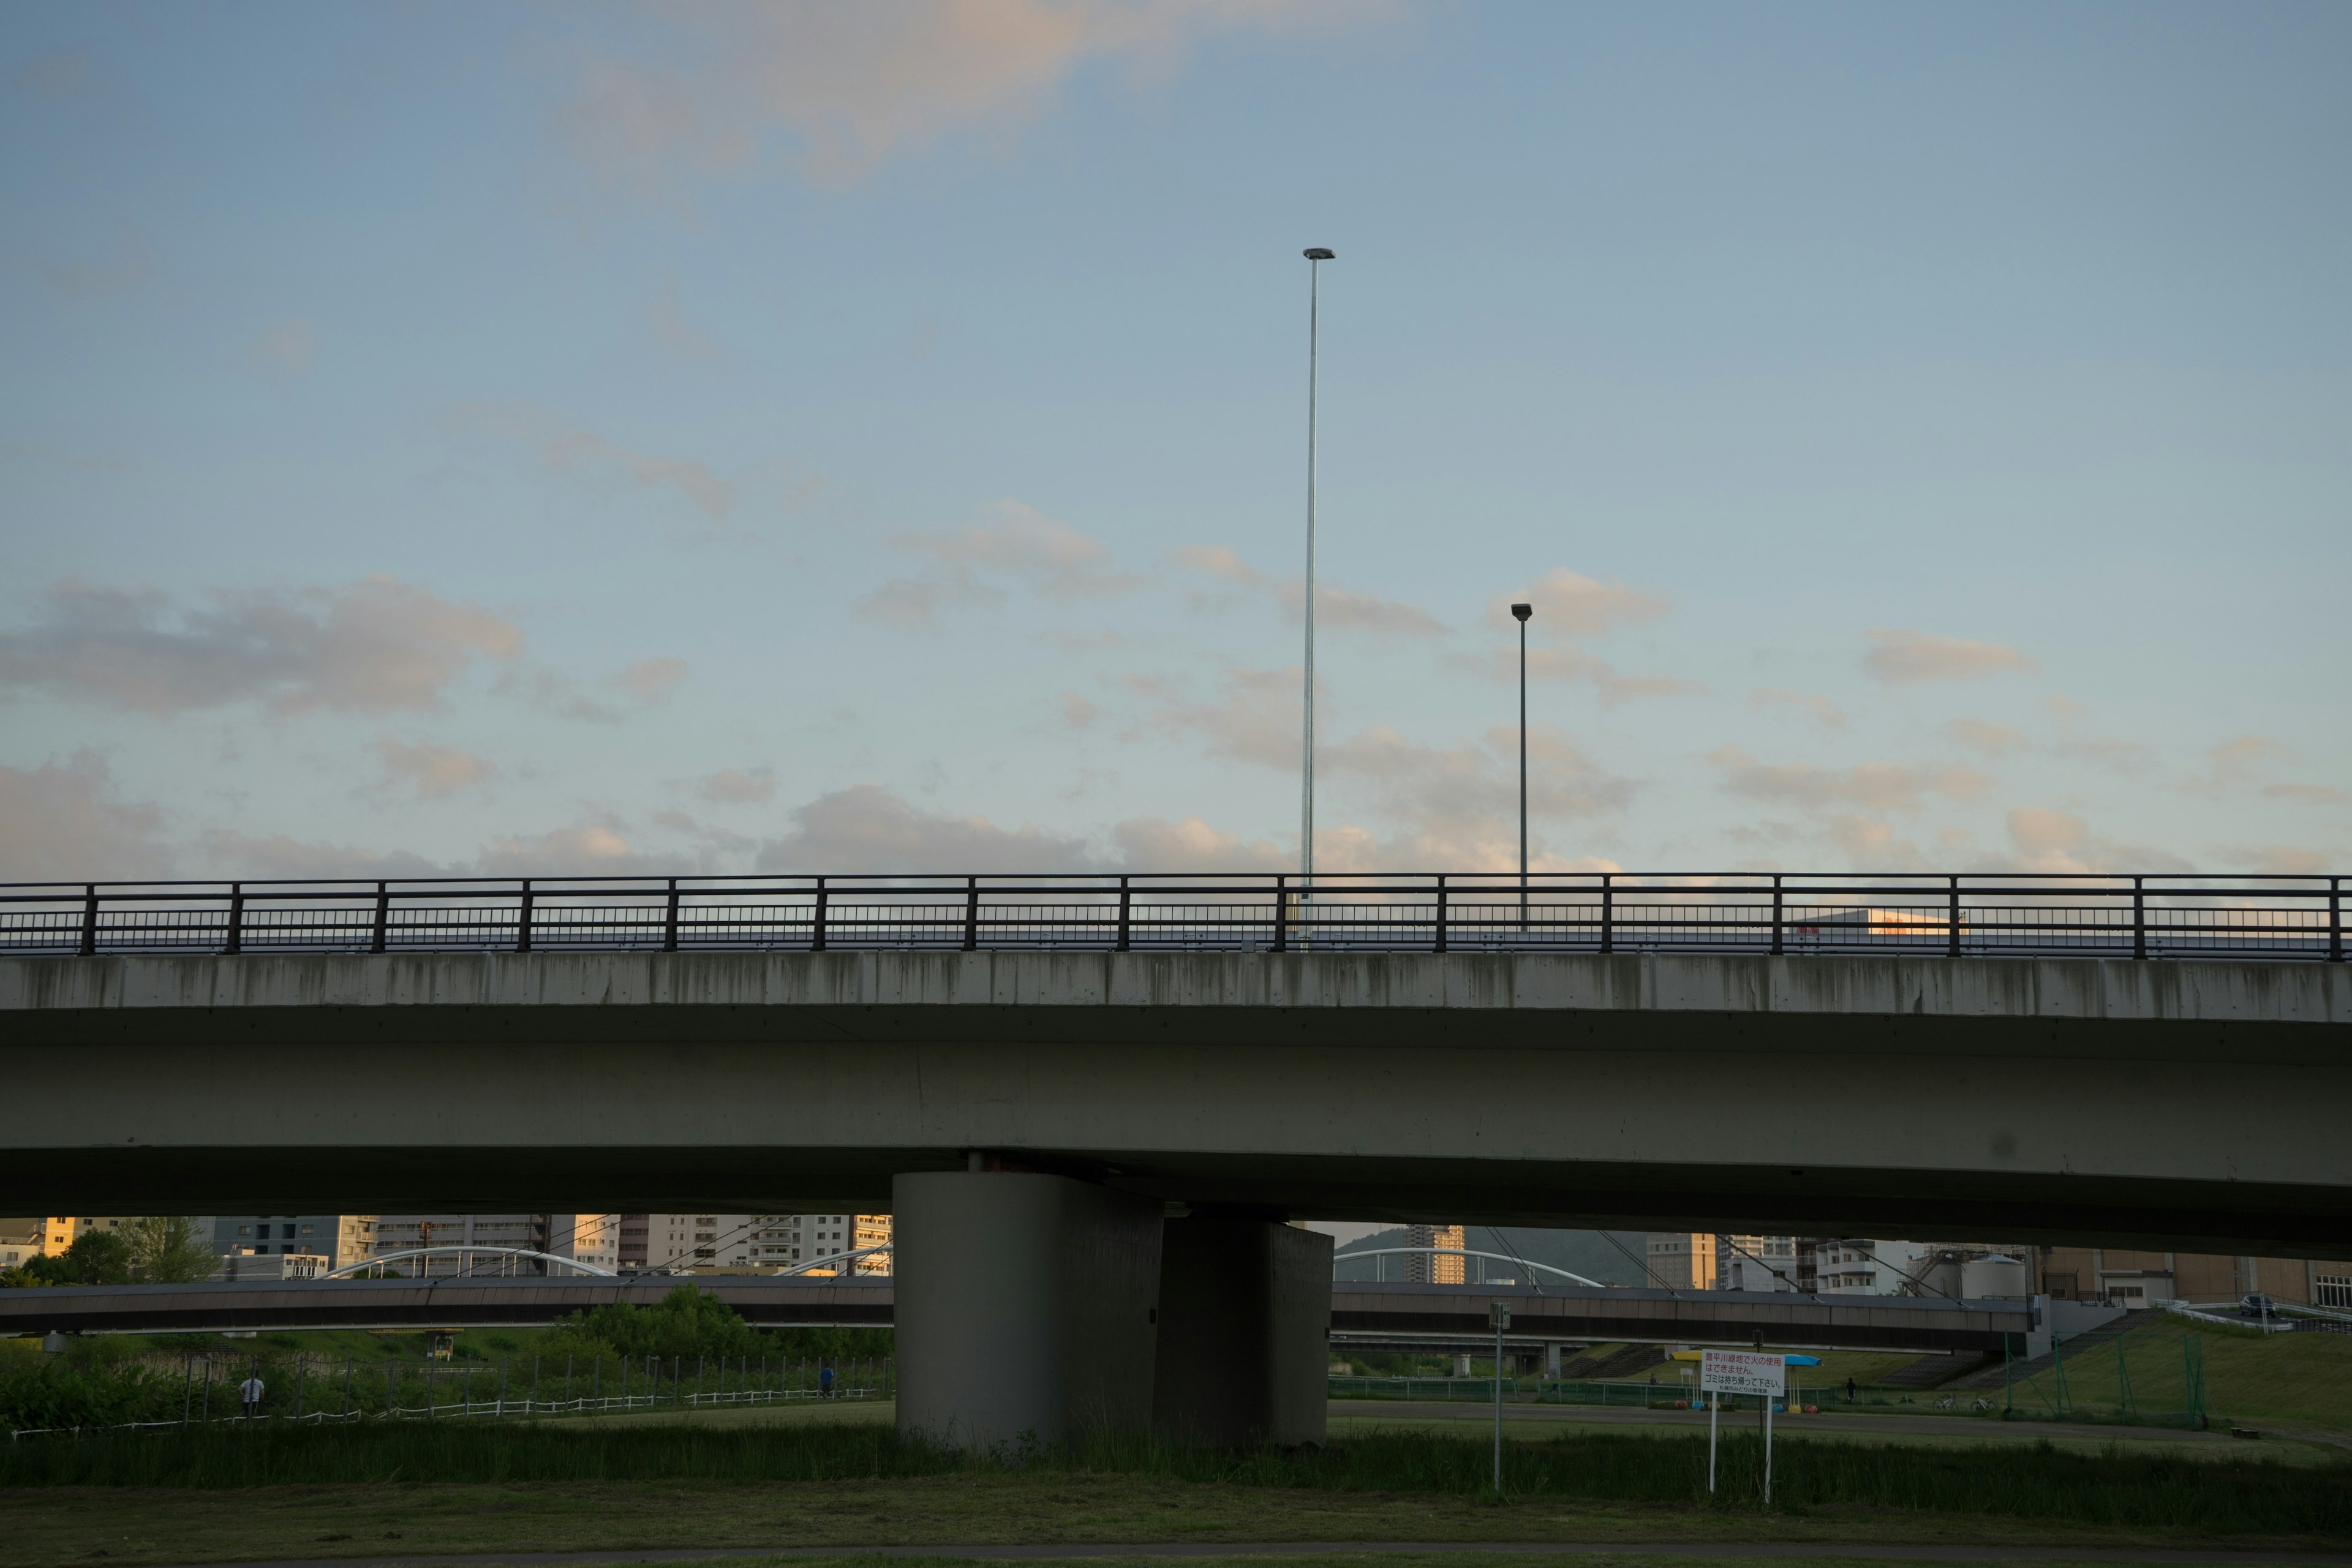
point(1996, 915)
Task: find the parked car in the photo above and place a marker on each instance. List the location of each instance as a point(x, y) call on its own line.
point(2258, 1306)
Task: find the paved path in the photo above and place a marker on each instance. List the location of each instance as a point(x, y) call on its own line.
point(1808, 1425)
point(1374, 1548)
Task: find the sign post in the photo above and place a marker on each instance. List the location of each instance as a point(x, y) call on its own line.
point(1499, 1313)
point(1741, 1372)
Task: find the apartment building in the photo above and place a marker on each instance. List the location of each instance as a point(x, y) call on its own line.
point(750, 1241)
point(340, 1238)
point(2124, 1277)
point(593, 1239)
point(1420, 1269)
point(58, 1232)
point(20, 1240)
point(1681, 1261)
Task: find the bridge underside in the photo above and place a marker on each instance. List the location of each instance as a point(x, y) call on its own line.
point(1841, 1199)
point(2178, 1106)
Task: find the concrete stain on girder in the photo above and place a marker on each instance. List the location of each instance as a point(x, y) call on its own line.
point(1730, 985)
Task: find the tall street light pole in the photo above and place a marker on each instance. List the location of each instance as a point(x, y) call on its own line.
point(1316, 257)
point(1521, 613)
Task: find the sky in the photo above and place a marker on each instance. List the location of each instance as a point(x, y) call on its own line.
point(809, 437)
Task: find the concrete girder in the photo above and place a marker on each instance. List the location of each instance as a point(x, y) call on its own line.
point(2186, 1105)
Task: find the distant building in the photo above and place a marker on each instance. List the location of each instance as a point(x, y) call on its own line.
point(594, 1239)
point(246, 1265)
point(1756, 1263)
point(751, 1241)
point(59, 1232)
point(2125, 1278)
point(1420, 1269)
point(340, 1238)
point(1862, 1266)
point(1682, 1261)
point(499, 1234)
point(20, 1240)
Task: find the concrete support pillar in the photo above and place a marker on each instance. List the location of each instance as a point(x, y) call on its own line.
point(1551, 1359)
point(1025, 1304)
point(1245, 1332)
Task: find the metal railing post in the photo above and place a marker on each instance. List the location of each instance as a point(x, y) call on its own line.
point(1125, 910)
point(1777, 908)
point(1952, 916)
point(383, 918)
point(972, 914)
point(669, 920)
point(522, 919)
point(1608, 914)
point(2139, 919)
point(235, 938)
point(816, 925)
point(90, 920)
point(1439, 943)
point(2335, 920)
point(1281, 911)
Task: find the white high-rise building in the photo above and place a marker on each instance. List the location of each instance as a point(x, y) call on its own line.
point(751, 1241)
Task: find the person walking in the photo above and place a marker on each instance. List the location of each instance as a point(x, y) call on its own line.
point(1849, 1391)
point(250, 1391)
point(825, 1382)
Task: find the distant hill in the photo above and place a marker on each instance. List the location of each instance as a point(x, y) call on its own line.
point(1586, 1252)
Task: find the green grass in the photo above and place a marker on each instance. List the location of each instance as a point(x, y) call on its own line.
point(2113, 1488)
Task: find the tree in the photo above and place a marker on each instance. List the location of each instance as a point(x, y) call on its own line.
point(168, 1249)
point(96, 1258)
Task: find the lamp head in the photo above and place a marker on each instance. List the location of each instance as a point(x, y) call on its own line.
point(1522, 611)
point(1316, 253)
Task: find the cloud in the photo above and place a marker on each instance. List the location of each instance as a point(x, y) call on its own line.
point(280, 856)
point(966, 566)
point(651, 679)
point(2234, 763)
point(2061, 842)
point(593, 848)
point(735, 786)
point(1985, 735)
point(434, 771)
point(643, 684)
point(285, 349)
point(92, 279)
point(1256, 718)
point(1156, 844)
point(1875, 786)
point(1570, 604)
point(376, 645)
point(62, 74)
point(865, 827)
point(677, 336)
point(1077, 713)
point(1342, 609)
point(583, 455)
point(1336, 608)
point(1218, 561)
point(2075, 741)
point(1909, 658)
point(2282, 860)
point(2308, 795)
point(1820, 710)
point(847, 87)
point(61, 821)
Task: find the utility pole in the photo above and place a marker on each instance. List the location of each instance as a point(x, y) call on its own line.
point(1316, 257)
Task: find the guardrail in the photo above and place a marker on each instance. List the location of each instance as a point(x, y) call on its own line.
point(1950, 915)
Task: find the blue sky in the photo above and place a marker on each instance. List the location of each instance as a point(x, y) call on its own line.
point(815, 437)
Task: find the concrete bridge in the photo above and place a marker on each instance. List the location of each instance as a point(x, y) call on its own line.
point(1454, 1314)
point(1089, 1153)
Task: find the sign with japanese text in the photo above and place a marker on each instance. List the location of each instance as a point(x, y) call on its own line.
point(1742, 1372)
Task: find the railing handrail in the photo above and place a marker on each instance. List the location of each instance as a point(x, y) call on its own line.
point(2140, 915)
